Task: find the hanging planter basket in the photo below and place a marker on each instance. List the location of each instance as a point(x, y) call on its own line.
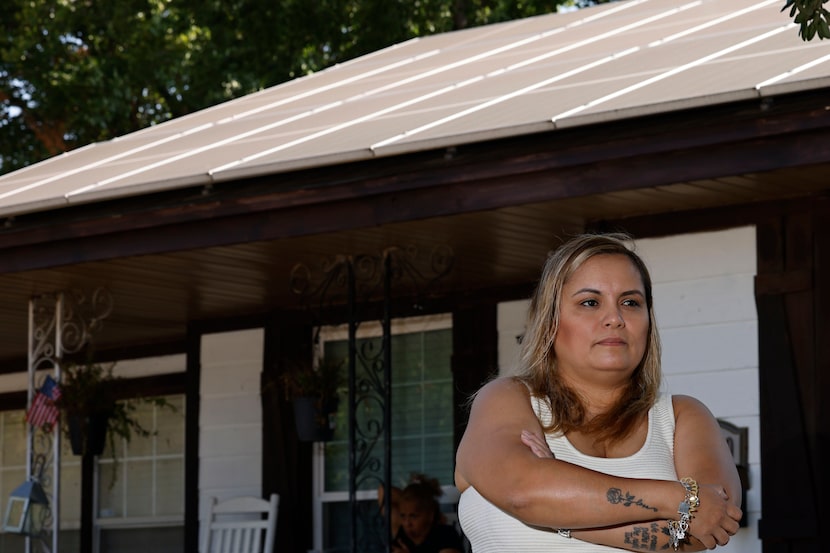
point(314, 418)
point(88, 433)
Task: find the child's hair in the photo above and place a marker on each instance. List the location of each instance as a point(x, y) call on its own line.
point(424, 492)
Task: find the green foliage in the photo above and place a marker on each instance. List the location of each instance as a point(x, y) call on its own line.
point(74, 72)
point(811, 16)
point(322, 381)
point(89, 390)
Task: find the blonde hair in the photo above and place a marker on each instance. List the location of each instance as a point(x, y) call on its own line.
point(538, 368)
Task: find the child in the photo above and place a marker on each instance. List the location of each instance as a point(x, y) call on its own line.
point(422, 528)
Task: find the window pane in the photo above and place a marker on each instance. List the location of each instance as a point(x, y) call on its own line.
point(70, 491)
point(170, 488)
point(140, 488)
point(438, 410)
point(437, 354)
point(337, 467)
point(148, 474)
point(110, 490)
point(140, 446)
point(170, 428)
point(14, 443)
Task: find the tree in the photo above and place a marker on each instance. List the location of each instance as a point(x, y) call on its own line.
point(811, 17)
point(73, 72)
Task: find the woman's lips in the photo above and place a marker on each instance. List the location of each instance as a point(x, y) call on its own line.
point(612, 342)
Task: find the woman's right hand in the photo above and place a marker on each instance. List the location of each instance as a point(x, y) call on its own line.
point(716, 519)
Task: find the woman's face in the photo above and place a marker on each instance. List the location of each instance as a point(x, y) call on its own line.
point(415, 521)
point(603, 321)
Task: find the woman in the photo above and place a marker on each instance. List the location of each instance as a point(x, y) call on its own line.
point(580, 452)
point(422, 528)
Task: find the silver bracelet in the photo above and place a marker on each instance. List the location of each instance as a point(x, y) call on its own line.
point(679, 528)
point(564, 533)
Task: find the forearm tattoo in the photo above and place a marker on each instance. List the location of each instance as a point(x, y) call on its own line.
point(616, 496)
point(644, 538)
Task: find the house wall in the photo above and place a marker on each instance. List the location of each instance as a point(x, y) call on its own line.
point(230, 418)
point(705, 308)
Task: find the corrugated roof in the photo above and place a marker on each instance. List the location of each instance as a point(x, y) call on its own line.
point(612, 61)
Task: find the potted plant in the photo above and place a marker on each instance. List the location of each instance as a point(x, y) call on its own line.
point(91, 412)
point(314, 389)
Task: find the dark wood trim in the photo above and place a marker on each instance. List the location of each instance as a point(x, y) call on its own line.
point(703, 220)
point(821, 379)
point(191, 441)
point(149, 386)
point(286, 461)
point(790, 496)
point(12, 401)
point(784, 283)
point(159, 349)
point(87, 529)
point(475, 358)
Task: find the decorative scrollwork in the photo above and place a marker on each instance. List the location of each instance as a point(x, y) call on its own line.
point(60, 323)
point(42, 465)
point(44, 324)
point(356, 279)
point(83, 317)
point(408, 269)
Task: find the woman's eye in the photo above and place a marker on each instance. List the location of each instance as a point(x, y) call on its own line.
point(631, 303)
point(589, 303)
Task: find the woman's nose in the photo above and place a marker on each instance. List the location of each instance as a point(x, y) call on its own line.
point(614, 318)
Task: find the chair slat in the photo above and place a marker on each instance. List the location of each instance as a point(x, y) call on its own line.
point(230, 528)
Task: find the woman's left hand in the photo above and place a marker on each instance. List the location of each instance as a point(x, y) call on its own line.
point(537, 445)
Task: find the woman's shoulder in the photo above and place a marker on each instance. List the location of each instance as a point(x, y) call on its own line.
point(503, 388)
point(685, 403)
point(689, 408)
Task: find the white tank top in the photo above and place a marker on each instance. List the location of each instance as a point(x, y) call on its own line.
point(491, 530)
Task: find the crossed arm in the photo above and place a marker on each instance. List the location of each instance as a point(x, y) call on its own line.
point(528, 483)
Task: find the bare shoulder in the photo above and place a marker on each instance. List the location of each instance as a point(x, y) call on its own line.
point(505, 389)
point(502, 403)
point(692, 413)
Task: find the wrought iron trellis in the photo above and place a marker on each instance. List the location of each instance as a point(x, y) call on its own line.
point(60, 323)
point(357, 280)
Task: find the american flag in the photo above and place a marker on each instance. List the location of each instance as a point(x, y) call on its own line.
point(43, 411)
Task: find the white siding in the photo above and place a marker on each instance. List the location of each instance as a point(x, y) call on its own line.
point(230, 417)
point(705, 308)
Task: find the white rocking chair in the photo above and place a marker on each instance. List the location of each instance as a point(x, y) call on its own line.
point(237, 525)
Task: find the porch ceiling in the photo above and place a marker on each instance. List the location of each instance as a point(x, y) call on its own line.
point(155, 296)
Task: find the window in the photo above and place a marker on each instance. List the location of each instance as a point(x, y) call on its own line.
point(422, 419)
point(140, 495)
point(140, 498)
point(12, 468)
point(13, 473)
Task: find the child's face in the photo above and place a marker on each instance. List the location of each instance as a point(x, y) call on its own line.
point(415, 521)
